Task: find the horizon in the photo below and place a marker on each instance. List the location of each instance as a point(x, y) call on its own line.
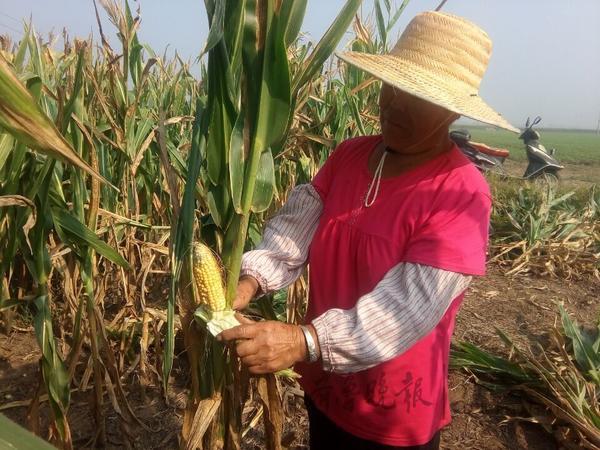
point(545, 61)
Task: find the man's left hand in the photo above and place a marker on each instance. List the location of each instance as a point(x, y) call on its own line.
point(268, 346)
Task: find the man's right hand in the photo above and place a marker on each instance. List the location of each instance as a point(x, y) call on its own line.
point(246, 290)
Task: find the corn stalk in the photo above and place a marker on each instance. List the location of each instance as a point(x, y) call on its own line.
point(248, 113)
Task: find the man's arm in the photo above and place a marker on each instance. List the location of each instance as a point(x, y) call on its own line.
point(279, 259)
point(404, 307)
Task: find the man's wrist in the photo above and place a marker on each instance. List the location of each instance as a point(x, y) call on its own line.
point(247, 288)
point(311, 342)
point(250, 283)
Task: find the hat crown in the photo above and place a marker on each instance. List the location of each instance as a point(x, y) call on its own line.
point(447, 47)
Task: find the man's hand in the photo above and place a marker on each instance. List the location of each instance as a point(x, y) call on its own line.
point(246, 290)
point(266, 347)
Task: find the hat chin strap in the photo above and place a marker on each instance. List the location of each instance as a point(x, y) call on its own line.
point(373, 190)
point(375, 182)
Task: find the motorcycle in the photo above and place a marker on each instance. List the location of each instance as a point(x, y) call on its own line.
point(542, 162)
point(484, 157)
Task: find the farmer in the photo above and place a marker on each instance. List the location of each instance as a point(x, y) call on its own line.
point(393, 228)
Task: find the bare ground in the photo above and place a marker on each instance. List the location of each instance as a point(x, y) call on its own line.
point(524, 308)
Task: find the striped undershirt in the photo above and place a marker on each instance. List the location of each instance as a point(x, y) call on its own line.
point(404, 307)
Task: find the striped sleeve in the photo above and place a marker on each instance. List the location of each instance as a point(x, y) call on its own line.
point(403, 308)
point(281, 256)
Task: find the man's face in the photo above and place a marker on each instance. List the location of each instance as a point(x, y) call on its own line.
point(410, 124)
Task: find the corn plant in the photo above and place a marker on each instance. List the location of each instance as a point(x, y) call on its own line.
point(563, 378)
point(238, 133)
point(538, 230)
point(99, 118)
point(264, 117)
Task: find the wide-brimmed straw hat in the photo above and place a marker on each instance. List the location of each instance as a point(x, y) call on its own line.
point(440, 58)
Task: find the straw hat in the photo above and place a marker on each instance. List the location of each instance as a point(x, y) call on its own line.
point(440, 58)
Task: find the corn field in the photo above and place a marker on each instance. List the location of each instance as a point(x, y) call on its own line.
point(115, 162)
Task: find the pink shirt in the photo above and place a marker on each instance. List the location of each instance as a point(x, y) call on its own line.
point(437, 215)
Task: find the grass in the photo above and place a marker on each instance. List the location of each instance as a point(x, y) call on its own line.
point(572, 146)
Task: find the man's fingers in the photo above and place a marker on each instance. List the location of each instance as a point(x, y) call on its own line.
point(260, 369)
point(246, 347)
point(240, 303)
point(243, 319)
point(252, 360)
point(245, 331)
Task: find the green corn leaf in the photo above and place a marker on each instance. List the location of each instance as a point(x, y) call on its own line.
point(234, 24)
point(327, 44)
point(216, 13)
point(267, 103)
point(53, 370)
point(75, 232)
point(465, 354)
point(272, 90)
point(13, 436)
point(135, 63)
point(142, 129)
point(381, 28)
point(34, 86)
point(35, 53)
point(351, 101)
point(237, 162)
point(38, 261)
point(292, 13)
point(583, 347)
point(22, 50)
point(223, 114)
point(397, 15)
point(219, 204)
point(265, 183)
point(70, 106)
point(6, 146)
point(183, 229)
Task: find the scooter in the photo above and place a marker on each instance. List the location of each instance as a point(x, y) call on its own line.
point(484, 157)
point(542, 162)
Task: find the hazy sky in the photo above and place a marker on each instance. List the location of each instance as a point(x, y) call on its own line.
point(546, 57)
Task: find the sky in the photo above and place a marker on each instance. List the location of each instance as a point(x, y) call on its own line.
point(545, 60)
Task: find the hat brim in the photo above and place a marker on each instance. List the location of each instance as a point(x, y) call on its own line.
point(410, 78)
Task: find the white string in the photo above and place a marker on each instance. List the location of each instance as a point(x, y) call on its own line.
point(376, 181)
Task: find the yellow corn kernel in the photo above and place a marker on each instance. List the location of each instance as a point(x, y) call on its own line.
point(207, 277)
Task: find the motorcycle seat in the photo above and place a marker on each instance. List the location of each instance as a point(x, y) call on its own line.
point(492, 151)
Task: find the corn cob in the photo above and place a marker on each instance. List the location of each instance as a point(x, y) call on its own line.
point(207, 278)
point(212, 307)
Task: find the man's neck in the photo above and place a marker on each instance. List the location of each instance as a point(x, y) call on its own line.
point(397, 162)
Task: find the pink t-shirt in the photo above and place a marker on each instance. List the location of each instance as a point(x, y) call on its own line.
point(437, 215)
